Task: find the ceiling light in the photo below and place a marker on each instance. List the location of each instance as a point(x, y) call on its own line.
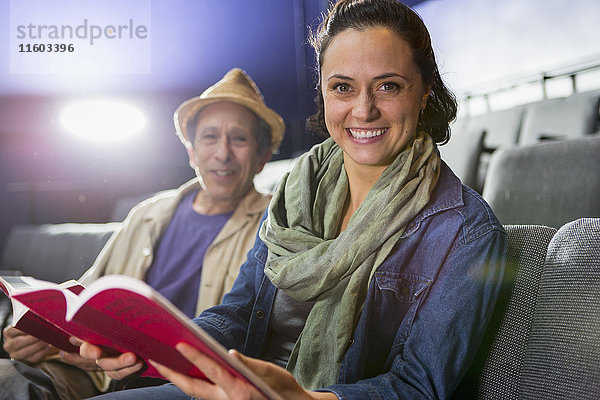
point(102, 120)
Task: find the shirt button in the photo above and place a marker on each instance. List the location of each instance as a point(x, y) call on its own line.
point(146, 251)
point(260, 314)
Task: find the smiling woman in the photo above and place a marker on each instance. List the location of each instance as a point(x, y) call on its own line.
point(374, 271)
point(102, 120)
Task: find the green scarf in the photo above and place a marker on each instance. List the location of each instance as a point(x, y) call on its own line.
point(309, 261)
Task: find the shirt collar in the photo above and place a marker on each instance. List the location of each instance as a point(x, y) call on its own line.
point(446, 195)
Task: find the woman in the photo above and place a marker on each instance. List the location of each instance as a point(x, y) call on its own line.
point(375, 271)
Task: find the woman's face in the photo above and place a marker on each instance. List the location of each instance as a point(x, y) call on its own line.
point(373, 93)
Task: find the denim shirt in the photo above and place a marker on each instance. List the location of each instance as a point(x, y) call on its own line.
point(426, 310)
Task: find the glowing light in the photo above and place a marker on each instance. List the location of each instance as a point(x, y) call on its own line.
point(102, 120)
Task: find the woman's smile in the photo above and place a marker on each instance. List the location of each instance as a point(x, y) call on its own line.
point(370, 134)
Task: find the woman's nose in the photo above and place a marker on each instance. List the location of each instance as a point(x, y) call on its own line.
point(365, 108)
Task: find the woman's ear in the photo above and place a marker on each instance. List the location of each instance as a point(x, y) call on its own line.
point(425, 97)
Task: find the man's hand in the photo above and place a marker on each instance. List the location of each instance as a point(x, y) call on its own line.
point(23, 347)
point(78, 361)
point(116, 367)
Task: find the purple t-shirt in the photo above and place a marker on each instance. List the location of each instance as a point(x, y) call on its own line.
point(177, 266)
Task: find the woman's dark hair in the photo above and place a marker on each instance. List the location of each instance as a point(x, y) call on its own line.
point(391, 14)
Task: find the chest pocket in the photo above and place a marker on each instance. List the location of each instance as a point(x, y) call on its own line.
point(403, 287)
point(397, 297)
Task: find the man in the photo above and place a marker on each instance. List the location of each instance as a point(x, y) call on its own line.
point(187, 243)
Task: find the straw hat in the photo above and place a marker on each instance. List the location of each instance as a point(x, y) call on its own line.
point(236, 87)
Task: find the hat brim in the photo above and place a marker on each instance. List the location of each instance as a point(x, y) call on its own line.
point(188, 109)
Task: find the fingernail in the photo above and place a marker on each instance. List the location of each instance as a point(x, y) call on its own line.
point(74, 341)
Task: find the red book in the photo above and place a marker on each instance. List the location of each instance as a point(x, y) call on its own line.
point(29, 322)
point(121, 314)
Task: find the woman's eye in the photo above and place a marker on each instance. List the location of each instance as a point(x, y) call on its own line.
point(389, 86)
point(342, 88)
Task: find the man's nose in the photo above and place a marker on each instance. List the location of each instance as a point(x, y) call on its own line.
point(223, 149)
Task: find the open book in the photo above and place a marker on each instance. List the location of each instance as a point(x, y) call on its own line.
point(29, 322)
point(120, 314)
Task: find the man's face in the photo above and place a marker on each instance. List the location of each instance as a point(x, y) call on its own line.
point(225, 151)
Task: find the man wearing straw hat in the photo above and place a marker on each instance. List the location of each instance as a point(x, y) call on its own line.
point(187, 243)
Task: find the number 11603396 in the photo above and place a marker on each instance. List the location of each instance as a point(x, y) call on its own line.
point(46, 48)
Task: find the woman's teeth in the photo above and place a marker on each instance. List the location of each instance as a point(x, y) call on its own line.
point(366, 134)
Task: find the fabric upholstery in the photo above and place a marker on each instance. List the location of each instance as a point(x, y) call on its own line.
point(501, 127)
point(462, 154)
point(495, 372)
point(54, 252)
point(573, 116)
point(563, 357)
point(545, 184)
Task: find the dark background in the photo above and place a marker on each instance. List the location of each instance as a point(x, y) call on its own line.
point(47, 176)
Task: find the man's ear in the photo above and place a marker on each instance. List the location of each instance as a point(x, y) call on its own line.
point(264, 157)
point(192, 156)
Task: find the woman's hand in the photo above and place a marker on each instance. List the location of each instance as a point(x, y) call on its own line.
point(116, 367)
point(225, 386)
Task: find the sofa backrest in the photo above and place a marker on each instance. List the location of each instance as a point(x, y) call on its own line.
point(563, 355)
point(495, 371)
point(502, 127)
point(54, 252)
point(561, 118)
point(462, 154)
point(545, 184)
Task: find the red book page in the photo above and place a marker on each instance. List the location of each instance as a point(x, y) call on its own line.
point(31, 323)
point(141, 325)
point(50, 304)
point(136, 324)
point(124, 314)
point(40, 328)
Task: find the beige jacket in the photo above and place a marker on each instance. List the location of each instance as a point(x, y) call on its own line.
point(130, 250)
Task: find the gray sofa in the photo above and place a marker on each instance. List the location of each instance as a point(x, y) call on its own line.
point(542, 337)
